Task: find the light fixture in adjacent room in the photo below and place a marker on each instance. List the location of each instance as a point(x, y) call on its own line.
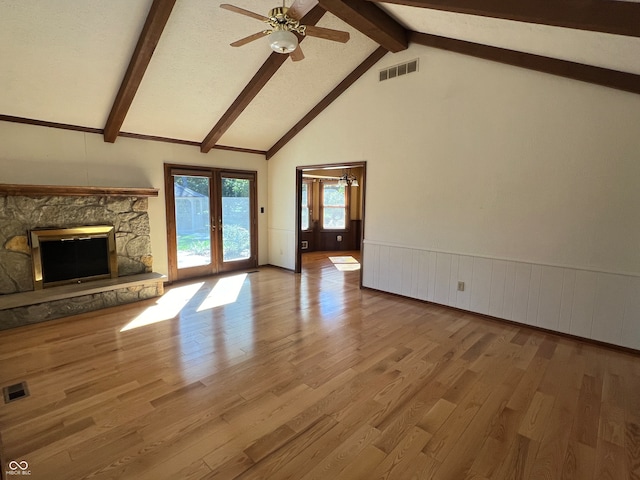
point(348, 180)
point(283, 41)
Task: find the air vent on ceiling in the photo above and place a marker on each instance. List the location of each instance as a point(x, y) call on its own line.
point(398, 70)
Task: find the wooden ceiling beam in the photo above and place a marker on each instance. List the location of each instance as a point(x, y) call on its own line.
point(617, 17)
point(153, 27)
point(257, 83)
point(371, 21)
point(369, 62)
point(628, 82)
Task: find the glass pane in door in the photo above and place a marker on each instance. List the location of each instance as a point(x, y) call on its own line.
point(236, 219)
point(193, 231)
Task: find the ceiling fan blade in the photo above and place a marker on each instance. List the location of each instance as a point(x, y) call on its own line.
point(299, 8)
point(297, 54)
point(327, 34)
point(250, 38)
point(242, 11)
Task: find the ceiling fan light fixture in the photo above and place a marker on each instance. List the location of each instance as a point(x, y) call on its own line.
point(283, 41)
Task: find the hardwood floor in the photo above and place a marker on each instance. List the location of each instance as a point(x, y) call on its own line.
point(271, 375)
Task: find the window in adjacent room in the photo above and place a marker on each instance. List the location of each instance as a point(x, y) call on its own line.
point(305, 219)
point(334, 206)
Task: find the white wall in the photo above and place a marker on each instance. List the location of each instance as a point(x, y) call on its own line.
point(491, 162)
point(48, 156)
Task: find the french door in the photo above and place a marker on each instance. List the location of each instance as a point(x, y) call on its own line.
point(211, 220)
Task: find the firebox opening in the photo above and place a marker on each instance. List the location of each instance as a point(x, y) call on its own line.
point(73, 255)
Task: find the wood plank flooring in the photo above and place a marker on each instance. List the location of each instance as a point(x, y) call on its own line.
point(271, 375)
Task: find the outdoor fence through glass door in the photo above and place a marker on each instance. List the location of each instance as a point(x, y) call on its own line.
point(211, 220)
point(193, 226)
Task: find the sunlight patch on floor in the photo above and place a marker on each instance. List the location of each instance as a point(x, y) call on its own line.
point(166, 308)
point(226, 291)
point(345, 263)
point(347, 267)
point(343, 259)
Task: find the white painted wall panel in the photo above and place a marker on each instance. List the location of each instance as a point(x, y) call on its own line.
point(521, 292)
point(583, 302)
point(423, 275)
point(566, 304)
point(415, 273)
point(407, 272)
point(480, 285)
point(369, 256)
point(465, 274)
point(383, 263)
point(453, 281)
point(433, 258)
point(395, 270)
point(443, 277)
point(631, 322)
point(496, 295)
point(509, 290)
point(610, 302)
point(550, 299)
point(534, 295)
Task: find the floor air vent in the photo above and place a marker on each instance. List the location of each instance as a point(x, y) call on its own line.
point(15, 392)
point(398, 70)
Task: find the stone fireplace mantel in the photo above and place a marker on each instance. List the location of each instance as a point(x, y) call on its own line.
point(7, 189)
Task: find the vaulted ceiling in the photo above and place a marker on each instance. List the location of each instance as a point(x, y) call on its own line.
point(164, 69)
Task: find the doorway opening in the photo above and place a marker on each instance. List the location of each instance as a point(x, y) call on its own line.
point(330, 210)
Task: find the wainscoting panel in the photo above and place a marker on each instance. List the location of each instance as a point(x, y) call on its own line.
point(566, 302)
point(596, 305)
point(584, 299)
point(534, 295)
point(396, 263)
point(509, 290)
point(465, 270)
point(550, 298)
point(442, 277)
point(453, 280)
point(521, 292)
point(608, 313)
point(423, 274)
point(498, 279)
point(480, 285)
point(630, 328)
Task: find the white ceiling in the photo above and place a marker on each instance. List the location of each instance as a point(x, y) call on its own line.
point(63, 61)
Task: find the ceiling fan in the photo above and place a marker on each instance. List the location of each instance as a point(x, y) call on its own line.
point(284, 23)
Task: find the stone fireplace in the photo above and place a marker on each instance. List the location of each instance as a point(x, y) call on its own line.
point(105, 231)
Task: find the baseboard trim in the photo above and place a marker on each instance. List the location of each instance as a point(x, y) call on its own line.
point(599, 343)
